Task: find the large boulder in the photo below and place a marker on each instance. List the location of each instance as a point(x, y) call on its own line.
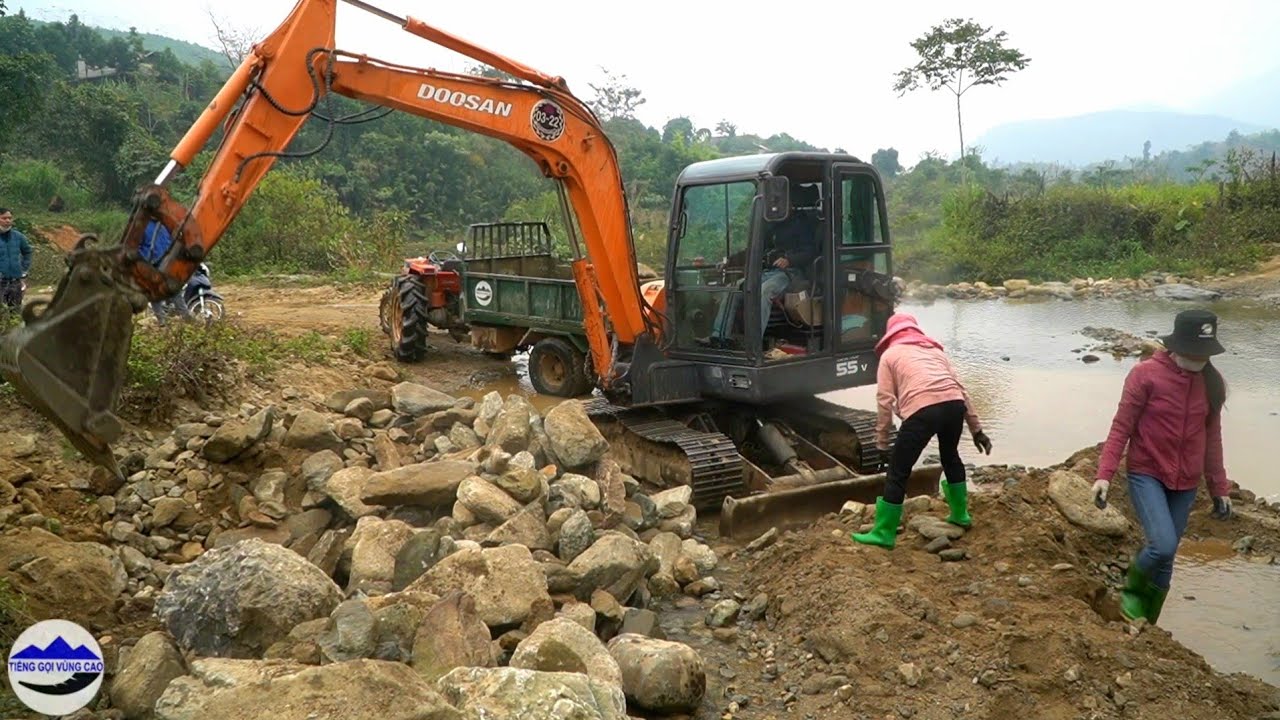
point(574, 438)
point(659, 675)
point(614, 563)
point(77, 581)
point(512, 428)
point(414, 399)
point(237, 601)
point(285, 690)
point(563, 645)
point(482, 693)
point(1074, 497)
point(235, 436)
point(505, 581)
point(452, 635)
point(430, 484)
point(374, 547)
point(312, 431)
point(149, 667)
point(1182, 291)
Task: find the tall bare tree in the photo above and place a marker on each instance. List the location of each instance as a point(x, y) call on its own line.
point(236, 41)
point(957, 55)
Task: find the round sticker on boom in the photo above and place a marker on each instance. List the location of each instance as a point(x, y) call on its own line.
point(55, 667)
point(547, 120)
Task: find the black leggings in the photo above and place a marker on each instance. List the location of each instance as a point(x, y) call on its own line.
point(946, 420)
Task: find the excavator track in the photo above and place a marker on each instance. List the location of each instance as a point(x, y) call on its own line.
point(868, 459)
point(714, 462)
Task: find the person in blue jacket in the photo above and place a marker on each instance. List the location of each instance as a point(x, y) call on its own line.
point(15, 261)
point(155, 243)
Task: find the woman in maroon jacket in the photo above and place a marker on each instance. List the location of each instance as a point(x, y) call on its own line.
point(1170, 416)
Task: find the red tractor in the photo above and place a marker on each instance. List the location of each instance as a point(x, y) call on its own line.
point(428, 291)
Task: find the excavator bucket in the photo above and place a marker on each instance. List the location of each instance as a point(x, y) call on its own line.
point(746, 518)
point(69, 362)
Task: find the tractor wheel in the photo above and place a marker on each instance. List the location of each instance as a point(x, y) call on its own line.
point(407, 317)
point(558, 368)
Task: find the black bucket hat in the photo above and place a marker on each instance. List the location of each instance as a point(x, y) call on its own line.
point(1195, 332)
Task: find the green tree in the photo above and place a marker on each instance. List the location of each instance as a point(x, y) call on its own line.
point(957, 55)
point(886, 162)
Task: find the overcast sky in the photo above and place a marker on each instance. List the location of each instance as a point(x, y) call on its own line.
point(821, 71)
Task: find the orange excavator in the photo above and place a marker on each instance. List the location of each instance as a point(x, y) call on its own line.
point(776, 287)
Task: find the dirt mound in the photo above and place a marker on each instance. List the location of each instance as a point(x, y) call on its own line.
point(1026, 625)
point(64, 237)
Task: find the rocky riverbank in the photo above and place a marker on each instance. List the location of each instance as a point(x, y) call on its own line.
point(1160, 285)
point(393, 551)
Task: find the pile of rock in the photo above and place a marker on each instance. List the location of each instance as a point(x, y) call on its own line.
point(1119, 343)
point(478, 556)
point(1161, 285)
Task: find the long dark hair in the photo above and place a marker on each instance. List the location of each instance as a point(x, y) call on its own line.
point(1215, 387)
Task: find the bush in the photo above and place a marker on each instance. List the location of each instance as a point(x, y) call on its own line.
point(184, 360)
point(1073, 231)
point(28, 186)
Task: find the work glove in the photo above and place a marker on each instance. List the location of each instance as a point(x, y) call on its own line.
point(1221, 508)
point(1100, 488)
point(982, 442)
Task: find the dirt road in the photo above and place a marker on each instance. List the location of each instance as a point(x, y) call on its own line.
point(333, 311)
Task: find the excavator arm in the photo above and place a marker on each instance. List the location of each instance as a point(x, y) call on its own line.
point(69, 360)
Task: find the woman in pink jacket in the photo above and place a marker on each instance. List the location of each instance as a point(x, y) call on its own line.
point(916, 380)
point(1170, 416)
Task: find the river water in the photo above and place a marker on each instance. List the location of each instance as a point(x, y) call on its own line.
point(1039, 402)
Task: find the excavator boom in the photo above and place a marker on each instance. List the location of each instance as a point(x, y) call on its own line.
point(69, 359)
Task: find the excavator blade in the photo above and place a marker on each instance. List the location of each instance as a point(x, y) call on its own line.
point(749, 517)
point(69, 362)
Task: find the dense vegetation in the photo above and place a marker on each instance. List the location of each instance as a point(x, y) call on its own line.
point(73, 149)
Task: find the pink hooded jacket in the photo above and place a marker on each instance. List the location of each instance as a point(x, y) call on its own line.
point(914, 373)
point(1165, 420)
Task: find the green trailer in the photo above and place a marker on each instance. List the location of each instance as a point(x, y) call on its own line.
point(517, 295)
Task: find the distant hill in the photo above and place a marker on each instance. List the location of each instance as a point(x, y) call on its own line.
point(1100, 136)
point(1253, 100)
point(186, 52)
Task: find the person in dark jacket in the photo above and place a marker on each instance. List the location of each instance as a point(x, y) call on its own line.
point(1170, 417)
point(15, 261)
point(791, 246)
point(155, 243)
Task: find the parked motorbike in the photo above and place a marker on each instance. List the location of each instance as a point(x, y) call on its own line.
point(205, 304)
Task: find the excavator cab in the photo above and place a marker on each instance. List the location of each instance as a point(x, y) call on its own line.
point(780, 275)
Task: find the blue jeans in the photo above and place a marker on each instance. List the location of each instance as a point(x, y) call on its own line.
point(1163, 514)
point(773, 283)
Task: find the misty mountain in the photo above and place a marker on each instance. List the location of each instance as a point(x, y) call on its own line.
point(1101, 136)
point(1253, 100)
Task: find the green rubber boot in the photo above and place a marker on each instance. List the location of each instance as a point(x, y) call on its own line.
point(957, 495)
point(1133, 598)
point(885, 531)
point(1155, 602)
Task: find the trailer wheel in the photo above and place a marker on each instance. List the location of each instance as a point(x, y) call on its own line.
point(557, 368)
point(407, 318)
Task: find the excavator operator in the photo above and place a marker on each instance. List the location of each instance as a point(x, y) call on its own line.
point(791, 246)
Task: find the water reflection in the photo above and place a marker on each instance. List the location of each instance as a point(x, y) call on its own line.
point(1226, 610)
point(1042, 403)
